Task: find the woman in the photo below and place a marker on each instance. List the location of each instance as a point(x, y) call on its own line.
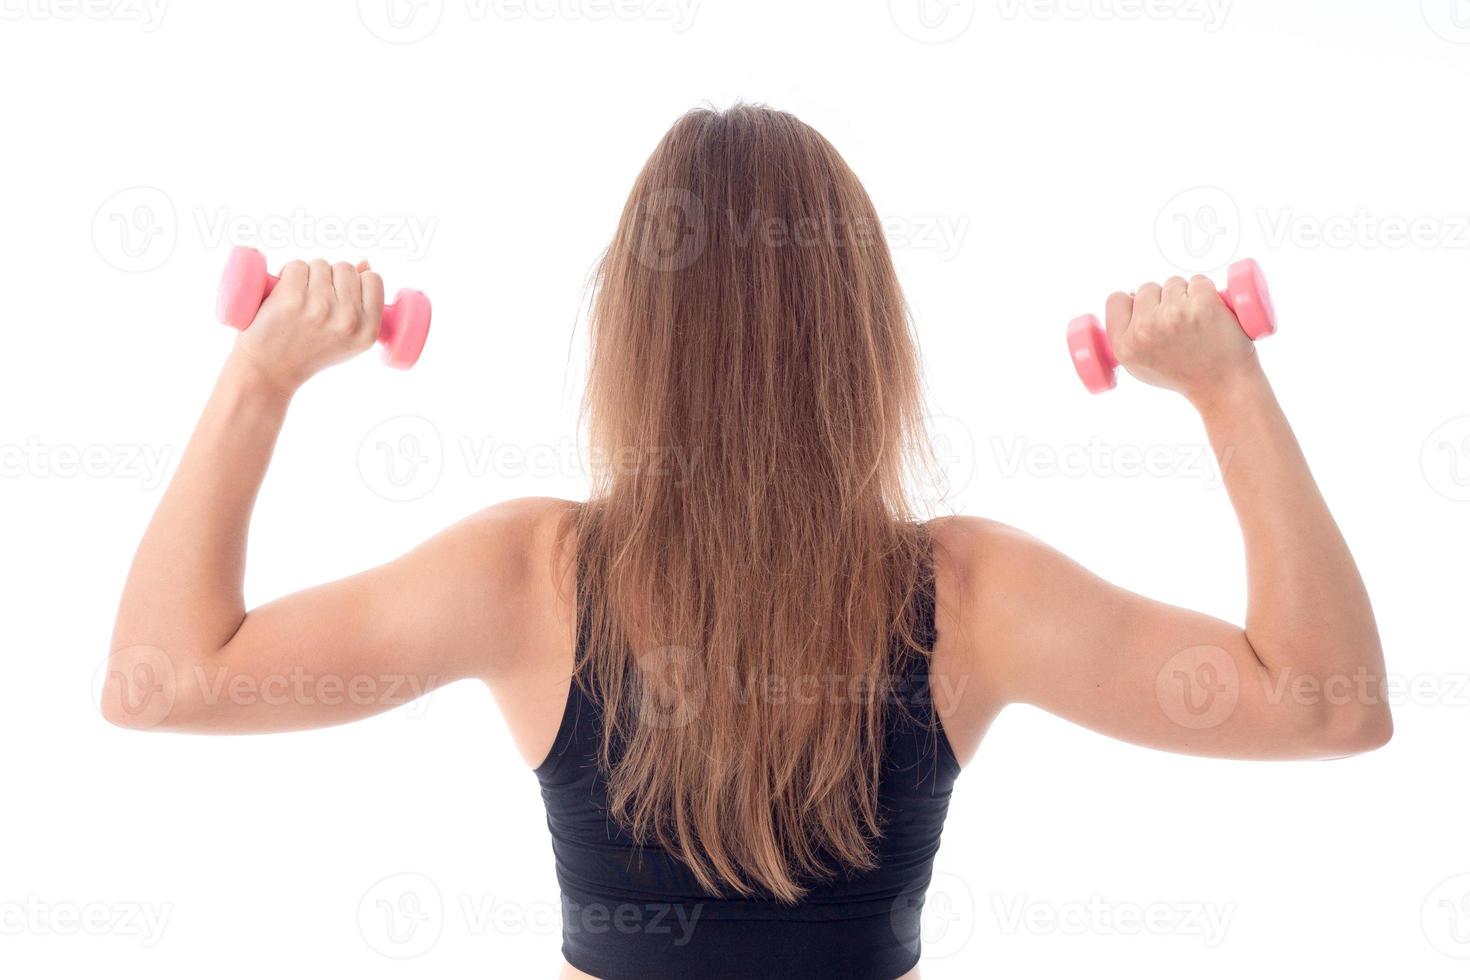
point(745, 676)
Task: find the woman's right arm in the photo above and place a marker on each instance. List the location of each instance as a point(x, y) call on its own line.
point(1302, 678)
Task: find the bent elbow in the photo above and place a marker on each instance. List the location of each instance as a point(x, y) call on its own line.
point(1349, 733)
point(144, 690)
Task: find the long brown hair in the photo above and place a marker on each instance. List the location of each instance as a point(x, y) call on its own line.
point(748, 556)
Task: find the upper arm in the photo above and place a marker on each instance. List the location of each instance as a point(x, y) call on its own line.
point(1035, 627)
point(464, 604)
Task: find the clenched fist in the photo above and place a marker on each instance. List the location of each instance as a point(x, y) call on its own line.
point(316, 316)
point(1179, 336)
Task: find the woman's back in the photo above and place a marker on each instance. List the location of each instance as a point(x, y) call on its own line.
point(632, 909)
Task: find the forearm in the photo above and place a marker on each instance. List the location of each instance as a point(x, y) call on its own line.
point(1308, 612)
point(184, 592)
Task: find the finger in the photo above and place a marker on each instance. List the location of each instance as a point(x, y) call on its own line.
point(363, 266)
point(1147, 299)
point(1175, 290)
point(1119, 314)
point(319, 282)
point(293, 277)
point(347, 284)
point(372, 303)
point(1202, 290)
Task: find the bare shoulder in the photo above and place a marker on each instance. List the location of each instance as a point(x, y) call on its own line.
point(982, 557)
point(517, 536)
point(514, 559)
point(991, 582)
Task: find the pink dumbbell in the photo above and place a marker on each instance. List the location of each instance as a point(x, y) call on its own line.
point(246, 284)
point(1246, 295)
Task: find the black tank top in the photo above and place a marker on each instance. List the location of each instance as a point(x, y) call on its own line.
point(632, 912)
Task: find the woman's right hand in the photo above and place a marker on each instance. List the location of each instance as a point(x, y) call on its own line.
point(1180, 336)
point(316, 316)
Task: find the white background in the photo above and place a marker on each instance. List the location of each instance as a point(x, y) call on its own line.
point(1030, 158)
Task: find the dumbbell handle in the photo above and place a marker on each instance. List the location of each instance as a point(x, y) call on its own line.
point(1246, 296)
